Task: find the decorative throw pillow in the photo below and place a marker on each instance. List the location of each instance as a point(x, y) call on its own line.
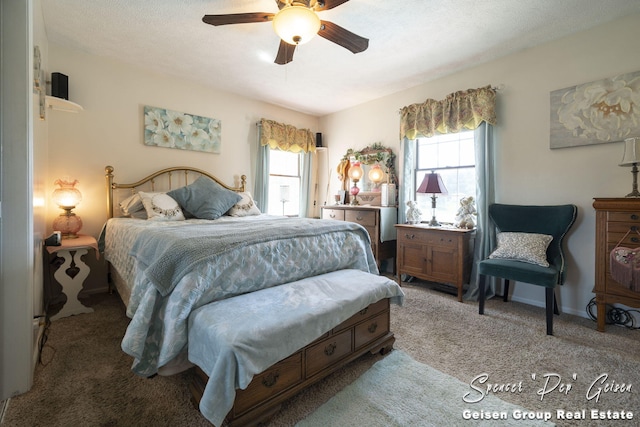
point(526, 247)
point(204, 198)
point(245, 207)
point(161, 207)
point(132, 205)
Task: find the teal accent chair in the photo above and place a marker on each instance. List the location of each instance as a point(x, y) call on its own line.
point(552, 220)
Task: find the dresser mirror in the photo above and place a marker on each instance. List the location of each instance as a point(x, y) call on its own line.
point(371, 157)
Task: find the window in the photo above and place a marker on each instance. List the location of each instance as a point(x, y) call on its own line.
point(453, 157)
point(284, 183)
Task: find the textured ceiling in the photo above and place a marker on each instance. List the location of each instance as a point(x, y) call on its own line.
point(410, 42)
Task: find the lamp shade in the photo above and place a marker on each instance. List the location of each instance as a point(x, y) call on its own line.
point(66, 196)
point(631, 152)
point(296, 24)
point(355, 172)
point(432, 183)
point(376, 174)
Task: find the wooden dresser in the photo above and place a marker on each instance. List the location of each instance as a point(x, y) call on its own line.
point(442, 255)
point(379, 222)
point(614, 217)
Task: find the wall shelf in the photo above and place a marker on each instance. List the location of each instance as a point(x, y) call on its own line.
point(60, 104)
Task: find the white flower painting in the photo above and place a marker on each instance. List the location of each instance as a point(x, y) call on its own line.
point(172, 129)
point(603, 111)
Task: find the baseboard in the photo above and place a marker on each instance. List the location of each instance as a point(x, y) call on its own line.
point(4, 404)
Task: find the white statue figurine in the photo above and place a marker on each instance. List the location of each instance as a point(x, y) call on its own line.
point(414, 216)
point(466, 213)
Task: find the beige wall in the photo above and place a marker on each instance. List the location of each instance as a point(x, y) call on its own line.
point(110, 129)
point(528, 172)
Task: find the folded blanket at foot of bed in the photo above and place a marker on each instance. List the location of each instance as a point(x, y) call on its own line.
point(234, 339)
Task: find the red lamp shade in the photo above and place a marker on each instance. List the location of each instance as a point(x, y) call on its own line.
point(432, 184)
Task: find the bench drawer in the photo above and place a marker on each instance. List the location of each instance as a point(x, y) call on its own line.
point(277, 378)
point(372, 329)
point(327, 352)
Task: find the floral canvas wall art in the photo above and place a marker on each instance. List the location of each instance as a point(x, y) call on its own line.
point(173, 129)
point(598, 112)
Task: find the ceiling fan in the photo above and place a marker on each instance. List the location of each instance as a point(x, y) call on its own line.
point(296, 23)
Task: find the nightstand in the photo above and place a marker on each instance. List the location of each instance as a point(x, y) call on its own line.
point(66, 270)
point(437, 254)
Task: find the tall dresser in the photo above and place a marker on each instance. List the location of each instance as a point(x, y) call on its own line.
point(379, 222)
point(614, 218)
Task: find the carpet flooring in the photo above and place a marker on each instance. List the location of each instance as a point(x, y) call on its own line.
point(85, 378)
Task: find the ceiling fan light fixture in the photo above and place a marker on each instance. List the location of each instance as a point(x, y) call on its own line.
point(296, 24)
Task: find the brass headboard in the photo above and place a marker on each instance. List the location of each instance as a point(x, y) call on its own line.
point(164, 180)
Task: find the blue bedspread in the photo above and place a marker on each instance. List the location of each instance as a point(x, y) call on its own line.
point(157, 332)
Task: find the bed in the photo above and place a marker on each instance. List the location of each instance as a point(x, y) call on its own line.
point(258, 307)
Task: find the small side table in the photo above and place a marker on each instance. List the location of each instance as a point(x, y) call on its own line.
point(438, 254)
point(71, 271)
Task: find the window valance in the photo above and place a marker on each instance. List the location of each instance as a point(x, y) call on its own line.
point(465, 109)
point(286, 137)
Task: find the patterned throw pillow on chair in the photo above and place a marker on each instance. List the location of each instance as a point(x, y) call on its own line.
point(525, 247)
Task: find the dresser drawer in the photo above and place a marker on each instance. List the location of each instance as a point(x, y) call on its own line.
point(337, 214)
point(630, 217)
point(279, 377)
point(370, 330)
point(326, 352)
point(428, 237)
point(366, 218)
point(363, 314)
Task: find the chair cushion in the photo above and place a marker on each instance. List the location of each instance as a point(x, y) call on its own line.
point(519, 271)
point(526, 247)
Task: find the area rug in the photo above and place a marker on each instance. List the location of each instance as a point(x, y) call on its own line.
point(398, 391)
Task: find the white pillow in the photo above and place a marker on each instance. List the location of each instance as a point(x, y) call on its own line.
point(245, 207)
point(161, 207)
point(526, 247)
point(131, 205)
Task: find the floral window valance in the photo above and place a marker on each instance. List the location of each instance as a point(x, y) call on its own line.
point(465, 109)
point(286, 137)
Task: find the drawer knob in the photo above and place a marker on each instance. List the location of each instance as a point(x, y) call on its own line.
point(635, 240)
point(271, 379)
point(363, 311)
point(332, 215)
point(359, 218)
point(409, 236)
point(634, 216)
point(330, 349)
point(634, 228)
point(372, 327)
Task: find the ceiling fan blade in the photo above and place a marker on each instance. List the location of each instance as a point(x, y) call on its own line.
point(328, 4)
point(342, 37)
point(237, 18)
point(285, 53)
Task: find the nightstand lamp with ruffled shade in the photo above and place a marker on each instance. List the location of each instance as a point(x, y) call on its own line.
point(67, 198)
point(631, 157)
point(432, 184)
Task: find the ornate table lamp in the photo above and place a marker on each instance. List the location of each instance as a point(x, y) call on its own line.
point(432, 184)
point(67, 198)
point(355, 174)
point(631, 157)
point(376, 175)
